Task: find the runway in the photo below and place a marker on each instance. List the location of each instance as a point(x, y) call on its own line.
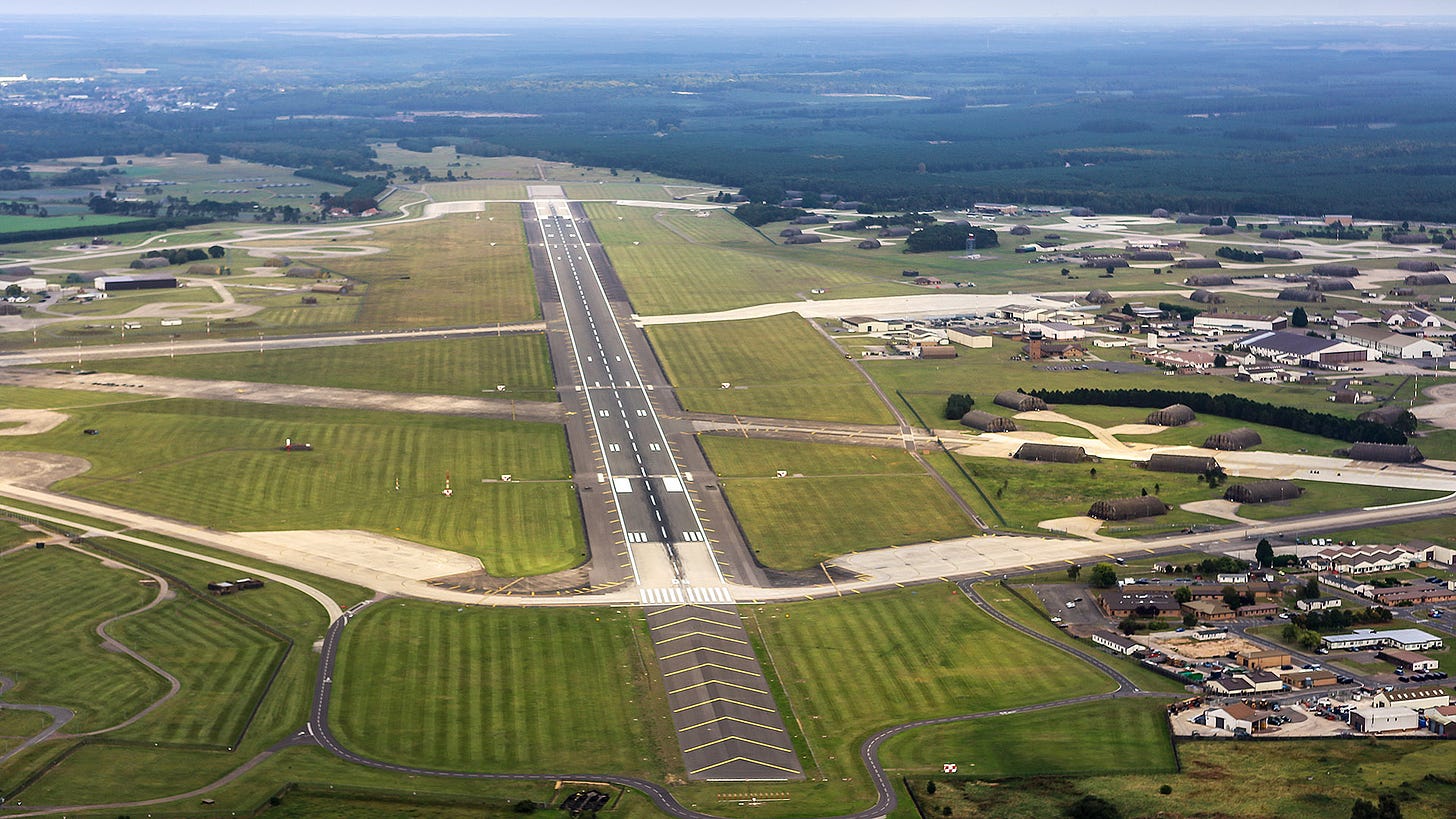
point(646, 519)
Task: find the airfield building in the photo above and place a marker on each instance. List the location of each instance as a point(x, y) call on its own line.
point(1056, 453)
point(1145, 506)
point(986, 422)
point(1019, 401)
point(1344, 271)
point(1263, 491)
point(1186, 464)
point(141, 281)
point(1234, 440)
point(1174, 415)
point(1386, 453)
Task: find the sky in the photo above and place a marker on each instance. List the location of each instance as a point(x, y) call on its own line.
point(922, 10)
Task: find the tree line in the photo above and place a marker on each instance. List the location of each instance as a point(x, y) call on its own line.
point(949, 236)
point(1228, 405)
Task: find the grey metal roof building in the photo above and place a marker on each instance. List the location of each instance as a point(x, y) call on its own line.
point(1263, 491)
point(1386, 453)
point(1186, 464)
point(1174, 415)
point(986, 422)
point(1057, 453)
point(1145, 506)
point(1019, 401)
point(1233, 440)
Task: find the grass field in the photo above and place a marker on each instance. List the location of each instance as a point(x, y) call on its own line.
point(54, 599)
point(916, 653)
point(1325, 497)
point(983, 373)
point(670, 266)
point(1250, 780)
point(503, 690)
point(737, 457)
point(779, 367)
point(1116, 736)
point(1028, 492)
point(797, 523)
point(126, 302)
point(223, 661)
point(224, 665)
point(1025, 609)
point(11, 224)
point(347, 482)
point(1436, 530)
point(329, 787)
point(445, 272)
point(464, 366)
point(836, 499)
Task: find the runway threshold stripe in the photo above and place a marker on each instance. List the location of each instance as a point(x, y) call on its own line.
point(715, 700)
point(737, 739)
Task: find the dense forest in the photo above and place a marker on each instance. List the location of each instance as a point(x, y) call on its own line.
point(1250, 117)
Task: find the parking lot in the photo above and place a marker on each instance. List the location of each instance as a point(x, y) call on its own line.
point(1084, 614)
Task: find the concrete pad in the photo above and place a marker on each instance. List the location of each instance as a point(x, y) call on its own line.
point(365, 550)
point(1218, 508)
point(32, 421)
point(1078, 526)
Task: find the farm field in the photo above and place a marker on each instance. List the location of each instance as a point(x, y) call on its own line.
point(777, 367)
point(464, 366)
point(1114, 736)
point(525, 527)
point(11, 224)
point(190, 175)
point(1259, 780)
point(573, 689)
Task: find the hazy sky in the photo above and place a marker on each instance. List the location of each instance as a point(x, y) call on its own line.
point(922, 9)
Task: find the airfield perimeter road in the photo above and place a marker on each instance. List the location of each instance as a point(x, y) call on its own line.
point(317, 730)
point(642, 509)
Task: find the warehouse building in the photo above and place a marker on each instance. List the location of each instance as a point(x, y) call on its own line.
point(141, 281)
point(1370, 720)
point(1303, 350)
